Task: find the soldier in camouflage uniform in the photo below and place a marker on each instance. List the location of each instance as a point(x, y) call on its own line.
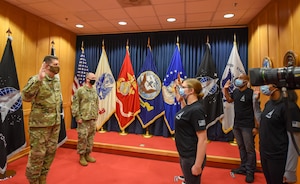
point(85, 111)
point(44, 92)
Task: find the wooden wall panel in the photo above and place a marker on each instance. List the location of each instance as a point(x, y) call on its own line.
point(32, 38)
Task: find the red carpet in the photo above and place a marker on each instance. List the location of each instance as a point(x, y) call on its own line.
point(116, 169)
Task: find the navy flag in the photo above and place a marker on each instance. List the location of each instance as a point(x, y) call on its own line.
point(172, 106)
point(149, 86)
point(12, 135)
point(62, 133)
point(212, 99)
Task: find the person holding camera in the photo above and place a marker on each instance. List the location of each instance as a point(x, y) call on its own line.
point(244, 129)
point(273, 133)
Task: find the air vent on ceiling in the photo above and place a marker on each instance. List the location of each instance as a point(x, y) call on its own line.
point(130, 3)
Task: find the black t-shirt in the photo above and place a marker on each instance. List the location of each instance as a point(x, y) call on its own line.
point(243, 108)
point(273, 138)
point(188, 121)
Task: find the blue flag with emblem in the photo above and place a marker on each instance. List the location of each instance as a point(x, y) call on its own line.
point(12, 135)
point(149, 86)
point(172, 106)
point(210, 82)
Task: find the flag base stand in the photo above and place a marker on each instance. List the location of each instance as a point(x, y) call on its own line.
point(102, 130)
point(123, 132)
point(233, 143)
point(147, 135)
point(7, 175)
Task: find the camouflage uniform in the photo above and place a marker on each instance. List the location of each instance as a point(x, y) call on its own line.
point(44, 124)
point(85, 107)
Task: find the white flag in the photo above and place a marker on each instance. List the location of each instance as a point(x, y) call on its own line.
point(232, 70)
point(106, 90)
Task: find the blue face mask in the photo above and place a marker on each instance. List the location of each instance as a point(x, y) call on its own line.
point(238, 82)
point(181, 92)
point(265, 90)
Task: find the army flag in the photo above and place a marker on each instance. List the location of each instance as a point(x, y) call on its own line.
point(171, 105)
point(12, 135)
point(232, 70)
point(79, 78)
point(62, 133)
point(210, 82)
point(128, 103)
point(106, 90)
point(149, 86)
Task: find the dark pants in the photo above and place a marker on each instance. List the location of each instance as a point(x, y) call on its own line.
point(186, 167)
point(245, 141)
point(273, 170)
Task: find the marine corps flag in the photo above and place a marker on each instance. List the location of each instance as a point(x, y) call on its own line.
point(210, 82)
point(232, 70)
point(62, 133)
point(12, 135)
point(151, 100)
point(172, 106)
point(106, 90)
point(128, 103)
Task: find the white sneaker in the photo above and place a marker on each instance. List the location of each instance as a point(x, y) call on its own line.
point(181, 178)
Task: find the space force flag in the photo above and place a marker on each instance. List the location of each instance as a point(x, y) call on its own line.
point(128, 103)
point(210, 82)
point(232, 70)
point(106, 90)
point(149, 86)
point(12, 135)
point(172, 106)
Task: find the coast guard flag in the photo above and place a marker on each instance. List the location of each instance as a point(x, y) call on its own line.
point(232, 70)
point(172, 106)
point(12, 135)
point(128, 103)
point(62, 133)
point(106, 90)
point(149, 85)
point(209, 79)
point(79, 78)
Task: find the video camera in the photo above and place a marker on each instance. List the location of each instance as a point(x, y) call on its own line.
point(288, 77)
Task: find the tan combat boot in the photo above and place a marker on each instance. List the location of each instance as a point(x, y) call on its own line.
point(82, 161)
point(89, 158)
point(42, 179)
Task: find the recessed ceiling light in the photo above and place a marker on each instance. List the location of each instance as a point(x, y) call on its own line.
point(228, 15)
point(79, 26)
point(171, 19)
point(122, 23)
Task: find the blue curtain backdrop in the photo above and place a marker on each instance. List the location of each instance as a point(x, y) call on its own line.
point(192, 48)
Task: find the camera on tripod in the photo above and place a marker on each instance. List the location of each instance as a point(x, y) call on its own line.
point(288, 77)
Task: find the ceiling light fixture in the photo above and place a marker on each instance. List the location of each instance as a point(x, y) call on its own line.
point(228, 15)
point(171, 19)
point(122, 23)
point(79, 26)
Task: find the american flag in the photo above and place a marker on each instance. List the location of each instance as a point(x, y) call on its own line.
point(82, 69)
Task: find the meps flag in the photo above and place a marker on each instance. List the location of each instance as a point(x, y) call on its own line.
point(106, 90)
point(62, 133)
point(172, 106)
point(151, 100)
point(232, 70)
point(128, 102)
point(210, 82)
point(12, 135)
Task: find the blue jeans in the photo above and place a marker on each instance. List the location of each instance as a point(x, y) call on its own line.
point(245, 141)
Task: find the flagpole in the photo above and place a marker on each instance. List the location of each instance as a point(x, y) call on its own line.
point(102, 130)
point(7, 173)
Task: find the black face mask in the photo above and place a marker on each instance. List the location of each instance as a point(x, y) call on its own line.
point(92, 82)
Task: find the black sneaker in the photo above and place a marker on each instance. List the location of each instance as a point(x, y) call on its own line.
point(249, 178)
point(239, 171)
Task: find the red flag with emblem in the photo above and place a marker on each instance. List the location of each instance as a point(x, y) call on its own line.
point(128, 103)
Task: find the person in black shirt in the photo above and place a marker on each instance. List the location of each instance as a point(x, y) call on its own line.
point(190, 130)
point(244, 129)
